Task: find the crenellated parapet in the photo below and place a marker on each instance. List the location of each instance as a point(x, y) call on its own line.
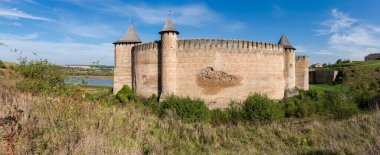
point(145, 46)
point(227, 44)
point(212, 44)
point(301, 57)
point(216, 70)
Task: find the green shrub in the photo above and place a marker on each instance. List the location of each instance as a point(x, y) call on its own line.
point(300, 107)
point(234, 112)
point(2, 65)
point(339, 105)
point(259, 108)
point(189, 110)
point(291, 109)
point(153, 104)
point(153, 99)
point(314, 95)
point(220, 117)
point(126, 94)
point(104, 96)
point(41, 77)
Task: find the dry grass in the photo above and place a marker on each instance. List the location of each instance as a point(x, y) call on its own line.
point(57, 125)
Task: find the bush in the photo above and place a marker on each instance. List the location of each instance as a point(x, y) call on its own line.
point(304, 105)
point(234, 112)
point(339, 105)
point(2, 65)
point(259, 108)
point(41, 77)
point(189, 110)
point(220, 117)
point(126, 94)
point(291, 109)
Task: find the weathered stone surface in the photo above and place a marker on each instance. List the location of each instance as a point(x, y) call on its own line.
point(213, 81)
point(323, 77)
point(302, 72)
point(210, 75)
point(215, 70)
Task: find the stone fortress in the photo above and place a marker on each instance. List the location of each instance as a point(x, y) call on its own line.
point(216, 70)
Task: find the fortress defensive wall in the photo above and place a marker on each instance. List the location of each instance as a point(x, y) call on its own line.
point(216, 70)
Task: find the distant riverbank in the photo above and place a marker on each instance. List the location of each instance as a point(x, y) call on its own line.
point(92, 77)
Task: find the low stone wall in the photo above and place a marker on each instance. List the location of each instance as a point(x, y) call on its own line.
point(322, 77)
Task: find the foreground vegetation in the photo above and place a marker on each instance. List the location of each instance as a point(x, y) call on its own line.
point(62, 119)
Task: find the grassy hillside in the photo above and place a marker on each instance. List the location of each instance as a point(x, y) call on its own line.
point(339, 66)
point(55, 125)
point(61, 119)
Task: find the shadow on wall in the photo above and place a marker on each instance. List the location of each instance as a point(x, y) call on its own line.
point(159, 69)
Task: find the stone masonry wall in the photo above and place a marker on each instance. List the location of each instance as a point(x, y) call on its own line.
point(123, 66)
point(222, 70)
point(217, 71)
point(289, 73)
point(145, 68)
point(323, 77)
point(302, 72)
point(169, 63)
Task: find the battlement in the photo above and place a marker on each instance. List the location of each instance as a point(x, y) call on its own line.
point(214, 69)
point(146, 46)
point(226, 43)
point(302, 57)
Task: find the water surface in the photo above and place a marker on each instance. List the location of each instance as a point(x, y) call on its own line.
point(90, 81)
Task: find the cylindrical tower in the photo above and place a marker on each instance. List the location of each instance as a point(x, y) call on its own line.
point(168, 58)
point(123, 59)
point(290, 63)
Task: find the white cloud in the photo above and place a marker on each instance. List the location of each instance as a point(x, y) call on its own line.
point(89, 30)
point(234, 26)
point(193, 15)
point(16, 14)
point(4, 36)
point(57, 52)
point(349, 38)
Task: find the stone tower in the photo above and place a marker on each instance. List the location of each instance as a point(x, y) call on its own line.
point(290, 61)
point(123, 59)
point(168, 58)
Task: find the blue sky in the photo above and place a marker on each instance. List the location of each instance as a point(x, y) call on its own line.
point(82, 31)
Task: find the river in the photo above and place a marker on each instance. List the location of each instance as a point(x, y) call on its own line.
point(90, 81)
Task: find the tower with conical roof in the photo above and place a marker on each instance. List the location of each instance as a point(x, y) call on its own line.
point(290, 60)
point(168, 58)
point(123, 59)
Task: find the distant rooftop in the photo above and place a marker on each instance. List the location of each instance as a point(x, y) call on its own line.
point(374, 54)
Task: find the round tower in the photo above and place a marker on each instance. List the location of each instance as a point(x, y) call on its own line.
point(123, 59)
point(290, 61)
point(168, 58)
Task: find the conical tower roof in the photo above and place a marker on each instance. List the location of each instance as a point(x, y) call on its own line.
point(285, 42)
point(130, 36)
point(169, 26)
